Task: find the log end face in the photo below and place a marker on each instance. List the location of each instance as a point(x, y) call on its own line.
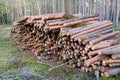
point(100, 52)
point(106, 74)
point(87, 64)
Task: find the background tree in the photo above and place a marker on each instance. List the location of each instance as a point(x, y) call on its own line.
point(11, 10)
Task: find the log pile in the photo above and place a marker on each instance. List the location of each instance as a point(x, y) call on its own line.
point(83, 43)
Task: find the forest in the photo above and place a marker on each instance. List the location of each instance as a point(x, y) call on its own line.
point(59, 39)
point(11, 10)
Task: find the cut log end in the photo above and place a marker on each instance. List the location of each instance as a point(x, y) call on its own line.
point(106, 74)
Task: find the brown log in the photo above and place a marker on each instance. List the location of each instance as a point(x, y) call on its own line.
point(73, 23)
point(65, 56)
point(86, 41)
point(65, 38)
point(105, 62)
point(94, 59)
point(87, 48)
point(92, 29)
point(93, 53)
point(109, 51)
point(93, 34)
point(91, 22)
point(78, 64)
point(54, 22)
point(103, 68)
point(104, 37)
point(90, 69)
point(64, 31)
point(49, 44)
point(96, 33)
point(116, 56)
point(114, 65)
point(80, 29)
point(112, 72)
point(94, 66)
point(48, 17)
point(104, 44)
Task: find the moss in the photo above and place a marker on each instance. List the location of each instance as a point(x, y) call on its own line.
point(70, 75)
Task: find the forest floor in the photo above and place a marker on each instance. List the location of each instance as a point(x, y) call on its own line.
point(16, 64)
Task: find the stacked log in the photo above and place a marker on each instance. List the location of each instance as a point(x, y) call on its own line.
point(83, 43)
point(88, 44)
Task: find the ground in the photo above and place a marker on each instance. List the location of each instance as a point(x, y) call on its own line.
point(16, 64)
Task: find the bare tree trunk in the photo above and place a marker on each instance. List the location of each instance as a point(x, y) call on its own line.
point(118, 12)
point(38, 7)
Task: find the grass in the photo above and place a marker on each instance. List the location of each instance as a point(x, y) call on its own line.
point(5, 25)
point(18, 65)
point(12, 59)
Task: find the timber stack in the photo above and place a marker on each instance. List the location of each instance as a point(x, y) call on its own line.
point(83, 43)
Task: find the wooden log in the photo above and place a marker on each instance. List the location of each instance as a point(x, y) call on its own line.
point(65, 38)
point(80, 29)
point(103, 68)
point(116, 56)
point(65, 57)
point(92, 29)
point(109, 51)
point(112, 72)
point(58, 23)
point(64, 31)
point(54, 22)
point(104, 44)
point(87, 47)
point(96, 33)
point(114, 65)
point(63, 22)
point(93, 53)
point(90, 69)
point(105, 62)
point(94, 59)
point(30, 23)
point(49, 44)
point(91, 22)
point(104, 37)
point(73, 23)
point(94, 66)
point(47, 17)
point(86, 41)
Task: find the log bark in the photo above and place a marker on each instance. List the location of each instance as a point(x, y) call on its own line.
point(73, 23)
point(116, 56)
point(96, 33)
point(78, 30)
point(112, 72)
point(114, 65)
point(105, 62)
point(104, 37)
point(109, 51)
point(104, 44)
point(91, 30)
point(94, 59)
point(93, 53)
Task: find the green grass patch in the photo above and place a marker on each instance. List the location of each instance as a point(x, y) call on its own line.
point(6, 25)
